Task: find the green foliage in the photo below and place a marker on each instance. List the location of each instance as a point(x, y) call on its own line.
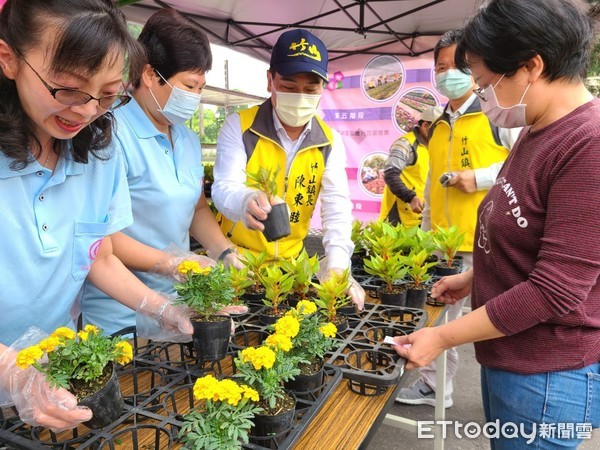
point(417, 267)
point(303, 267)
point(70, 357)
point(206, 290)
point(255, 264)
point(385, 239)
point(240, 281)
point(331, 293)
point(264, 180)
point(390, 268)
point(277, 285)
point(208, 171)
point(448, 241)
point(357, 236)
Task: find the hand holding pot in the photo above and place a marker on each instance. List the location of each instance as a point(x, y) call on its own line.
point(255, 207)
point(453, 288)
point(36, 402)
point(354, 291)
point(157, 318)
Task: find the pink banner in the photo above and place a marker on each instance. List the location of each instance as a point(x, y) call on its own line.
point(371, 101)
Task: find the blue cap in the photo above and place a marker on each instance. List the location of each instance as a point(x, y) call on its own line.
point(298, 51)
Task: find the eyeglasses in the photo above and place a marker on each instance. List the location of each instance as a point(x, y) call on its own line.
point(73, 97)
point(481, 94)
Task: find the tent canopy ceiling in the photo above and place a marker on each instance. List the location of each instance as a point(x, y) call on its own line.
point(347, 27)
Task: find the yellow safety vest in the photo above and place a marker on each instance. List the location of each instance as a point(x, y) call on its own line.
point(299, 187)
point(414, 177)
point(472, 143)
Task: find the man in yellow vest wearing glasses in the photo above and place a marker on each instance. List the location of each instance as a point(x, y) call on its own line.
point(284, 132)
point(405, 173)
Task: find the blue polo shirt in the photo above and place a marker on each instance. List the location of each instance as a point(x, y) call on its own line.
point(52, 224)
point(165, 183)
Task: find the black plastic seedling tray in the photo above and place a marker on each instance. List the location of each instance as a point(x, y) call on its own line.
point(158, 390)
point(370, 365)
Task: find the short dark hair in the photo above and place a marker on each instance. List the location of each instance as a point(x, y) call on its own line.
point(84, 34)
point(448, 39)
point(174, 43)
point(506, 34)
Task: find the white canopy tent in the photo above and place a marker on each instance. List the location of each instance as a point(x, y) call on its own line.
point(347, 27)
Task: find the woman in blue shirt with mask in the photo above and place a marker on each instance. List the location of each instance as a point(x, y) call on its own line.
point(163, 163)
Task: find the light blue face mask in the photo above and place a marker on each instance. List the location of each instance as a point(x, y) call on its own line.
point(453, 83)
point(181, 105)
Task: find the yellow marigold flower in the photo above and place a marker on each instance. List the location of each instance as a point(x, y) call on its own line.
point(250, 393)
point(328, 330)
point(64, 332)
point(50, 343)
point(229, 391)
point(91, 329)
point(288, 326)
point(28, 356)
point(205, 388)
point(262, 357)
point(126, 352)
point(306, 307)
point(83, 335)
point(281, 341)
point(194, 267)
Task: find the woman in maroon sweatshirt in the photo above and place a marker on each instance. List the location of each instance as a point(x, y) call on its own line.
point(536, 259)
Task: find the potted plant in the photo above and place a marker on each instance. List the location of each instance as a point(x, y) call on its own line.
point(208, 178)
point(303, 268)
point(360, 249)
point(314, 339)
point(266, 369)
point(278, 285)
point(207, 290)
point(240, 282)
point(277, 223)
point(224, 416)
point(418, 272)
point(82, 363)
point(254, 263)
point(331, 296)
point(391, 269)
point(448, 241)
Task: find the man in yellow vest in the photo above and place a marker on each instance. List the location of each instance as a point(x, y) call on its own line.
point(405, 173)
point(466, 153)
point(284, 132)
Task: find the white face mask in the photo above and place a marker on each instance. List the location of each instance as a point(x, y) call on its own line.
point(296, 110)
point(511, 117)
point(181, 105)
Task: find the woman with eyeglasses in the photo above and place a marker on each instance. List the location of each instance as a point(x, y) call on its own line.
point(63, 191)
point(535, 279)
point(163, 161)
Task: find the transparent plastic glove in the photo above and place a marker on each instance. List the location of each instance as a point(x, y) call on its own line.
point(233, 309)
point(37, 403)
point(255, 207)
point(159, 319)
point(230, 259)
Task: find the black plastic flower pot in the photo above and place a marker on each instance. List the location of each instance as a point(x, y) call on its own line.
point(443, 270)
point(106, 403)
point(211, 338)
point(268, 317)
point(275, 424)
point(416, 298)
point(397, 298)
point(305, 384)
point(277, 223)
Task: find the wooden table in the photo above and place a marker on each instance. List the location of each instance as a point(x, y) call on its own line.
point(347, 420)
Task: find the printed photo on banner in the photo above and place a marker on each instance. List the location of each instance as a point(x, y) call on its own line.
point(382, 78)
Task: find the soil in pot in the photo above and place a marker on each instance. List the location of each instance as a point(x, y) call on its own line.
point(254, 297)
point(268, 316)
point(309, 379)
point(277, 420)
point(416, 296)
point(211, 337)
point(277, 223)
point(102, 396)
point(395, 297)
point(442, 269)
